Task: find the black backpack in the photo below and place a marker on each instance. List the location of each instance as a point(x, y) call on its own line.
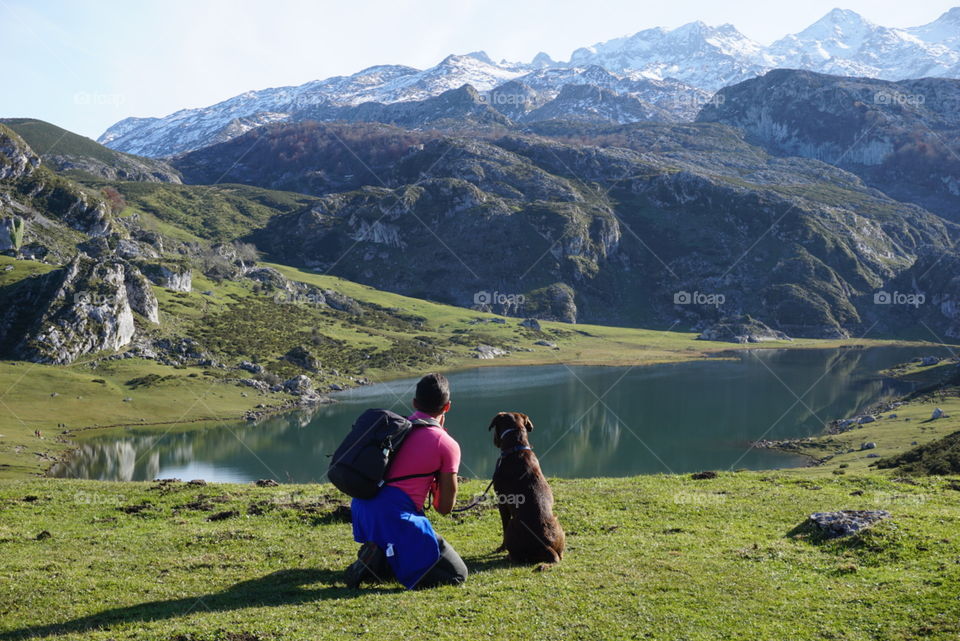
point(359, 466)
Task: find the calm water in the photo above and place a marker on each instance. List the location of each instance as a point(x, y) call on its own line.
point(589, 421)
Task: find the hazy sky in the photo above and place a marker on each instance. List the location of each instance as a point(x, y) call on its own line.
point(85, 65)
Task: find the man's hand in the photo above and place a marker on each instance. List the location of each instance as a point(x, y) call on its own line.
point(444, 501)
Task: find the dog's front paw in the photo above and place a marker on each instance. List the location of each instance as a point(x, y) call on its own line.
point(502, 548)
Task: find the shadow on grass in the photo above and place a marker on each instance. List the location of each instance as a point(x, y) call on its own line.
point(487, 562)
point(284, 587)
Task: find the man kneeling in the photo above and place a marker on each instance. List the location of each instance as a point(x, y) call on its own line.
point(398, 539)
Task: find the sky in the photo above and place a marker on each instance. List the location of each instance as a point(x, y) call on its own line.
point(83, 65)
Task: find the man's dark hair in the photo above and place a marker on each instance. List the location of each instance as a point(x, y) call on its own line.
point(433, 392)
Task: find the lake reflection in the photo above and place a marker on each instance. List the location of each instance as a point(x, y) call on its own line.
point(589, 421)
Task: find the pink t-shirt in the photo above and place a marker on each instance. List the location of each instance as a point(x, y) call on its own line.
point(426, 449)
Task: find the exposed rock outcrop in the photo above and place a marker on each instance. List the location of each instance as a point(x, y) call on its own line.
point(846, 522)
point(17, 160)
point(741, 330)
point(139, 294)
point(85, 307)
point(900, 137)
point(177, 278)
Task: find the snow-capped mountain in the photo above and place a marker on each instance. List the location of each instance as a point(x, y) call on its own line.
point(189, 129)
point(845, 43)
point(699, 55)
point(672, 73)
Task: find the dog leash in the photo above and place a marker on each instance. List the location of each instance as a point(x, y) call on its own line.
point(483, 497)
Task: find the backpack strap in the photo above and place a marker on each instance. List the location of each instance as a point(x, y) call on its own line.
point(420, 422)
point(405, 477)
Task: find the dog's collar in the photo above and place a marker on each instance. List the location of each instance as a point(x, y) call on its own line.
point(515, 448)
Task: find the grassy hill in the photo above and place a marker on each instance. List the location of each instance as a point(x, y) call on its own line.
point(82, 158)
point(939, 457)
point(653, 557)
point(218, 213)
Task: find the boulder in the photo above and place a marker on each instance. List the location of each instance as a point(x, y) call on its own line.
point(937, 413)
point(260, 386)
point(846, 522)
point(531, 323)
point(299, 385)
point(253, 368)
point(927, 361)
point(546, 344)
point(868, 446)
point(268, 276)
point(487, 352)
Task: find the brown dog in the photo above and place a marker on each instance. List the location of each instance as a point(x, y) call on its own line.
point(531, 533)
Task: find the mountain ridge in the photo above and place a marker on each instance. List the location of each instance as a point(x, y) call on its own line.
point(694, 60)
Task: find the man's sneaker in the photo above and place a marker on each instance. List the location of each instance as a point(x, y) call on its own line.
point(363, 568)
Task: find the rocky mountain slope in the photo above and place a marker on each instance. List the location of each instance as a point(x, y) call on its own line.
point(900, 137)
point(638, 224)
point(674, 70)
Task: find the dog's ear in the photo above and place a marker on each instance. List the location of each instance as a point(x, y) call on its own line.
point(496, 433)
point(527, 423)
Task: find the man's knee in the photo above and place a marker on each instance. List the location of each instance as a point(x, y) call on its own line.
point(453, 562)
point(449, 569)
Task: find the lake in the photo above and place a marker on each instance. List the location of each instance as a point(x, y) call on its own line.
point(589, 421)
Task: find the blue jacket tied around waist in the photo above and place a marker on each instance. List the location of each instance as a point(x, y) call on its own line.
point(391, 520)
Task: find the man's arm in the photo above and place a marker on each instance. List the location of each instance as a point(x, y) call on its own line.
point(447, 497)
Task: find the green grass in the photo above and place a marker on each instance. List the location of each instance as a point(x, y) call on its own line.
point(87, 398)
point(891, 435)
point(45, 138)
point(655, 557)
point(220, 213)
point(20, 269)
